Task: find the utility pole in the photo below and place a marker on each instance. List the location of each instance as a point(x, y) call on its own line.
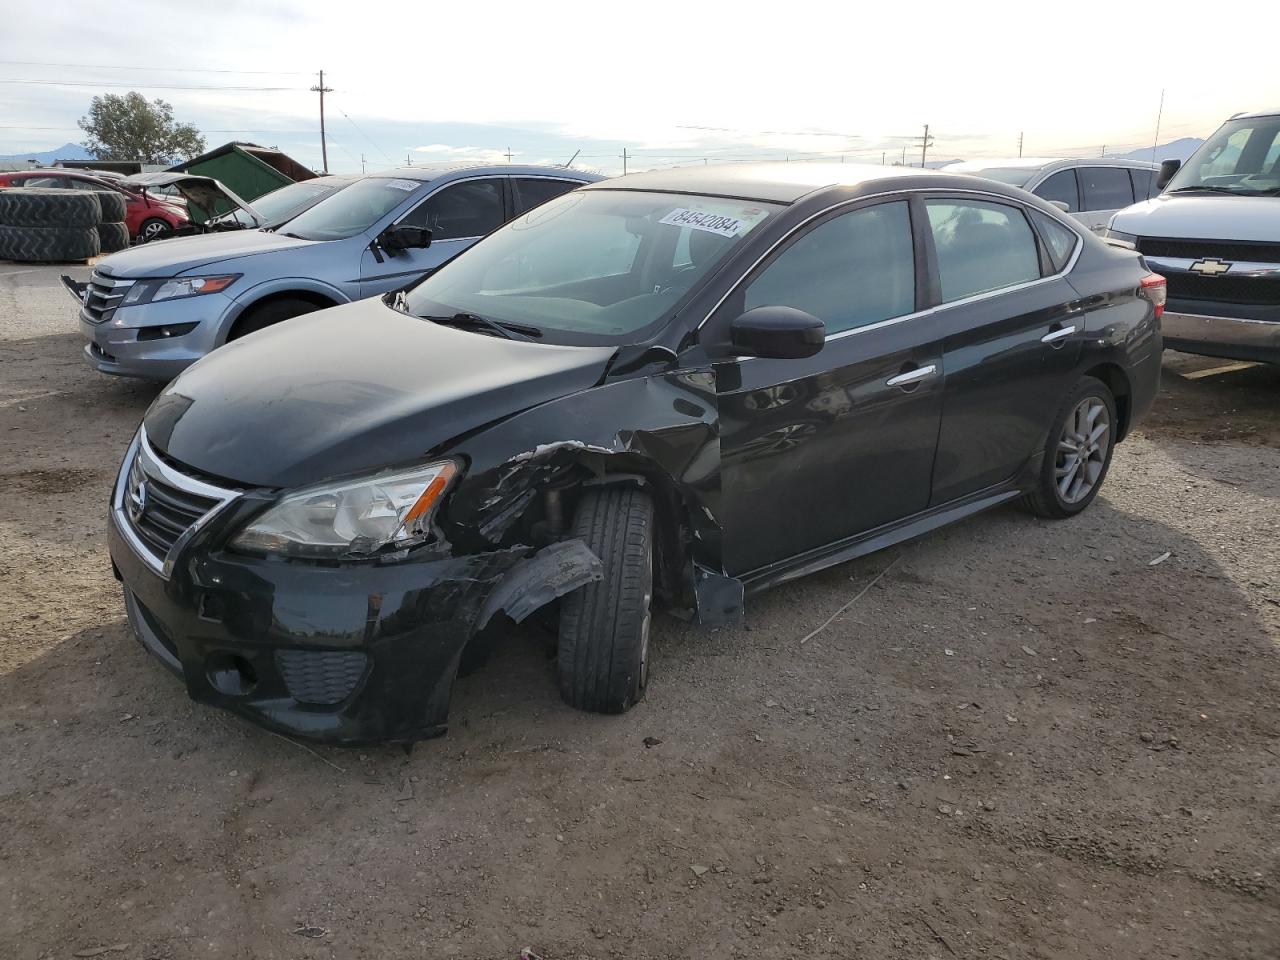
point(362, 164)
point(904, 156)
point(882, 153)
point(925, 142)
point(1104, 151)
point(1019, 144)
point(509, 154)
point(624, 161)
point(321, 89)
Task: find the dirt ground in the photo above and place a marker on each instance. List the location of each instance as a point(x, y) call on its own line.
point(1028, 740)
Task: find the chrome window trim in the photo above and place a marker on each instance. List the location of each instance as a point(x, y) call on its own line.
point(153, 466)
point(941, 192)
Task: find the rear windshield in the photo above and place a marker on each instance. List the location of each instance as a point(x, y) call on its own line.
point(1242, 157)
point(592, 266)
point(352, 210)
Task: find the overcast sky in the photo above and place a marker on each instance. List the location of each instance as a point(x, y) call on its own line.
point(666, 80)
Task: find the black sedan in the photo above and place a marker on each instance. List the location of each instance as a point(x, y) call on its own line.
point(662, 392)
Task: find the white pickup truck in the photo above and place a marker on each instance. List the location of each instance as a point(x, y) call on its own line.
point(1214, 233)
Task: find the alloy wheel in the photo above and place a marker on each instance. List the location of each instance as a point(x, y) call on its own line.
point(1082, 450)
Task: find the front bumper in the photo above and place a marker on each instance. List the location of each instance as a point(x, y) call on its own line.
point(1236, 338)
point(113, 346)
point(354, 654)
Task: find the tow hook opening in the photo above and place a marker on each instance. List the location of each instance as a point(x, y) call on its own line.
point(231, 674)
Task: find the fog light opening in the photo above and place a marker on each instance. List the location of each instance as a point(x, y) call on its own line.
point(231, 675)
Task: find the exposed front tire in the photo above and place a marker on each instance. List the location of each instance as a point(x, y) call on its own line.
point(153, 229)
point(1077, 453)
point(271, 312)
point(603, 658)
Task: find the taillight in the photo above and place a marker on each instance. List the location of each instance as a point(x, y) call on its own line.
point(1155, 289)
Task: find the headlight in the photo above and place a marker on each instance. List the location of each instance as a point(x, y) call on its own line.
point(1114, 237)
point(354, 518)
point(153, 291)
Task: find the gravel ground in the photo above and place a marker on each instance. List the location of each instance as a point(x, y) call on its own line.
point(1028, 740)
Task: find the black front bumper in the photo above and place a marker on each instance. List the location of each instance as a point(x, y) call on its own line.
point(353, 654)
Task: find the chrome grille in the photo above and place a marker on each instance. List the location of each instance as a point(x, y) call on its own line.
point(102, 296)
point(158, 508)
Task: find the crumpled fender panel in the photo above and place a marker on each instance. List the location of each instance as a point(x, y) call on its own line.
point(663, 427)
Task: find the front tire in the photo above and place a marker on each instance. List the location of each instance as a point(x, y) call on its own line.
point(270, 313)
point(153, 229)
point(603, 659)
point(1077, 452)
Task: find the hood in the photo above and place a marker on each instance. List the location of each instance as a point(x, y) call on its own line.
point(204, 192)
point(1203, 216)
point(178, 255)
point(353, 389)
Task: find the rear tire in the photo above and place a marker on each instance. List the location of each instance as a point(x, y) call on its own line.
point(604, 627)
point(269, 313)
point(1077, 452)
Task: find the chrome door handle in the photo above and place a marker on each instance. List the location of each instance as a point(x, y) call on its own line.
point(1055, 335)
point(912, 376)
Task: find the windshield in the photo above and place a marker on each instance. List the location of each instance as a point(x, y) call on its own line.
point(591, 267)
point(1242, 157)
point(281, 203)
point(1014, 176)
point(352, 210)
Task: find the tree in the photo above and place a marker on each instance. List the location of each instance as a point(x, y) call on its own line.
point(129, 128)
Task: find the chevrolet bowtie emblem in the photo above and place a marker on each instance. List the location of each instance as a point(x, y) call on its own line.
point(1210, 267)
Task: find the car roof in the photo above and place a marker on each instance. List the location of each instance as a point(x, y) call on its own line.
point(1040, 163)
point(771, 181)
point(433, 171)
point(1258, 113)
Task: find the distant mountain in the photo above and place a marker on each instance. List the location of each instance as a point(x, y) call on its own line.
point(1174, 150)
point(68, 151)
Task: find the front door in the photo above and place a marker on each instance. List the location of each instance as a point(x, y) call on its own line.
point(817, 450)
point(458, 214)
point(1013, 333)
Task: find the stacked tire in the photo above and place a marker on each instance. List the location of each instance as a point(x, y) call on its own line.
point(113, 235)
point(42, 224)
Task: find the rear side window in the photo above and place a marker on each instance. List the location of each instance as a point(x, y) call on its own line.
point(1060, 241)
point(1144, 184)
point(1061, 186)
point(850, 271)
point(1105, 188)
point(463, 210)
point(534, 191)
point(981, 247)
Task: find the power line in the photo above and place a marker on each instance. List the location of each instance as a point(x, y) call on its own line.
point(110, 66)
point(142, 86)
point(360, 131)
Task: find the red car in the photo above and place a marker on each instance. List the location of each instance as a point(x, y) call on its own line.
point(147, 217)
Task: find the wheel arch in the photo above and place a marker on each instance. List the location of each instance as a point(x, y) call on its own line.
point(1118, 382)
point(321, 296)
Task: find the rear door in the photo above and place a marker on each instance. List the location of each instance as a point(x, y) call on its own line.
point(1103, 191)
point(457, 214)
point(1012, 330)
point(819, 449)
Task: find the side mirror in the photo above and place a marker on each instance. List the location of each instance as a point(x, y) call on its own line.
point(782, 333)
point(401, 237)
point(1061, 205)
point(1167, 169)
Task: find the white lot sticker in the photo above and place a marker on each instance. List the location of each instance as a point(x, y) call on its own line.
point(403, 184)
point(718, 223)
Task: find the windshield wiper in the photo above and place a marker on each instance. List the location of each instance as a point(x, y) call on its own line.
point(511, 331)
point(1208, 189)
